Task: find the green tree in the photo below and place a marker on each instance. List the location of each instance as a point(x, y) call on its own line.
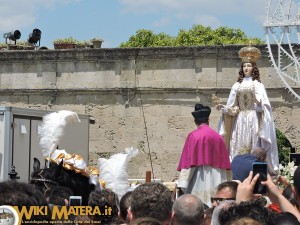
point(284, 146)
point(197, 35)
point(146, 38)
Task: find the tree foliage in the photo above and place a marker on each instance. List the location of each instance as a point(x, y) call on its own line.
point(197, 35)
point(146, 38)
point(284, 146)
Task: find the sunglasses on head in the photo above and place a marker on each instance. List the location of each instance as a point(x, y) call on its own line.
point(219, 200)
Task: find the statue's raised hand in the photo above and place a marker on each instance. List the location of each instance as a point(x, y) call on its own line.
point(220, 107)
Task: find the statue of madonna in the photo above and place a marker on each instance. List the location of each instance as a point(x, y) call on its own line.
point(248, 112)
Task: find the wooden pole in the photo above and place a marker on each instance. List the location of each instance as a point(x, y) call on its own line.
point(148, 176)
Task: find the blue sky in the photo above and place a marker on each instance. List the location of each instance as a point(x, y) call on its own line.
point(116, 20)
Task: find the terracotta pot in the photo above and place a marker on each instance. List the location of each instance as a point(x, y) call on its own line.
point(97, 44)
point(12, 47)
point(80, 46)
point(64, 45)
point(29, 47)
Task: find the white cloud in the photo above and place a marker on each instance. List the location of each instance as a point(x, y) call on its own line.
point(15, 15)
point(207, 20)
point(196, 10)
point(162, 22)
point(20, 14)
point(189, 6)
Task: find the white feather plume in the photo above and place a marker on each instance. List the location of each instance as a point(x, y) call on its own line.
point(114, 171)
point(52, 129)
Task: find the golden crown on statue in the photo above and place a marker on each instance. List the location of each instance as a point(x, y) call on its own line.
point(249, 53)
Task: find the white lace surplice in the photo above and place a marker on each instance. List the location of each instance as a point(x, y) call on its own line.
point(254, 125)
point(201, 181)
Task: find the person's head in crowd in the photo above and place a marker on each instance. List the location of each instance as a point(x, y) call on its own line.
point(208, 216)
point(260, 154)
point(105, 199)
point(289, 194)
point(81, 219)
point(151, 200)
point(242, 164)
point(22, 194)
point(188, 209)
point(145, 221)
point(296, 180)
point(224, 191)
point(222, 205)
point(201, 114)
point(248, 209)
point(245, 221)
point(286, 218)
point(58, 195)
point(124, 206)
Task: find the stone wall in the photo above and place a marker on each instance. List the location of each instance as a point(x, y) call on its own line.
point(139, 97)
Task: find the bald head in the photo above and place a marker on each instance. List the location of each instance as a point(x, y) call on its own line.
point(188, 209)
point(260, 154)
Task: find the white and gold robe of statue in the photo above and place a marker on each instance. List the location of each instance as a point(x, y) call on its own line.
point(247, 125)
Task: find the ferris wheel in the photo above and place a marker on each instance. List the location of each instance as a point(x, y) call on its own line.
point(282, 31)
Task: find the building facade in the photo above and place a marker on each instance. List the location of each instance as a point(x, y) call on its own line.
point(138, 97)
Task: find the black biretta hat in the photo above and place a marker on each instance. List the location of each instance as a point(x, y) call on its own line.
point(201, 111)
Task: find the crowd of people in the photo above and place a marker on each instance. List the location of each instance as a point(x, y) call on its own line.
point(233, 203)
